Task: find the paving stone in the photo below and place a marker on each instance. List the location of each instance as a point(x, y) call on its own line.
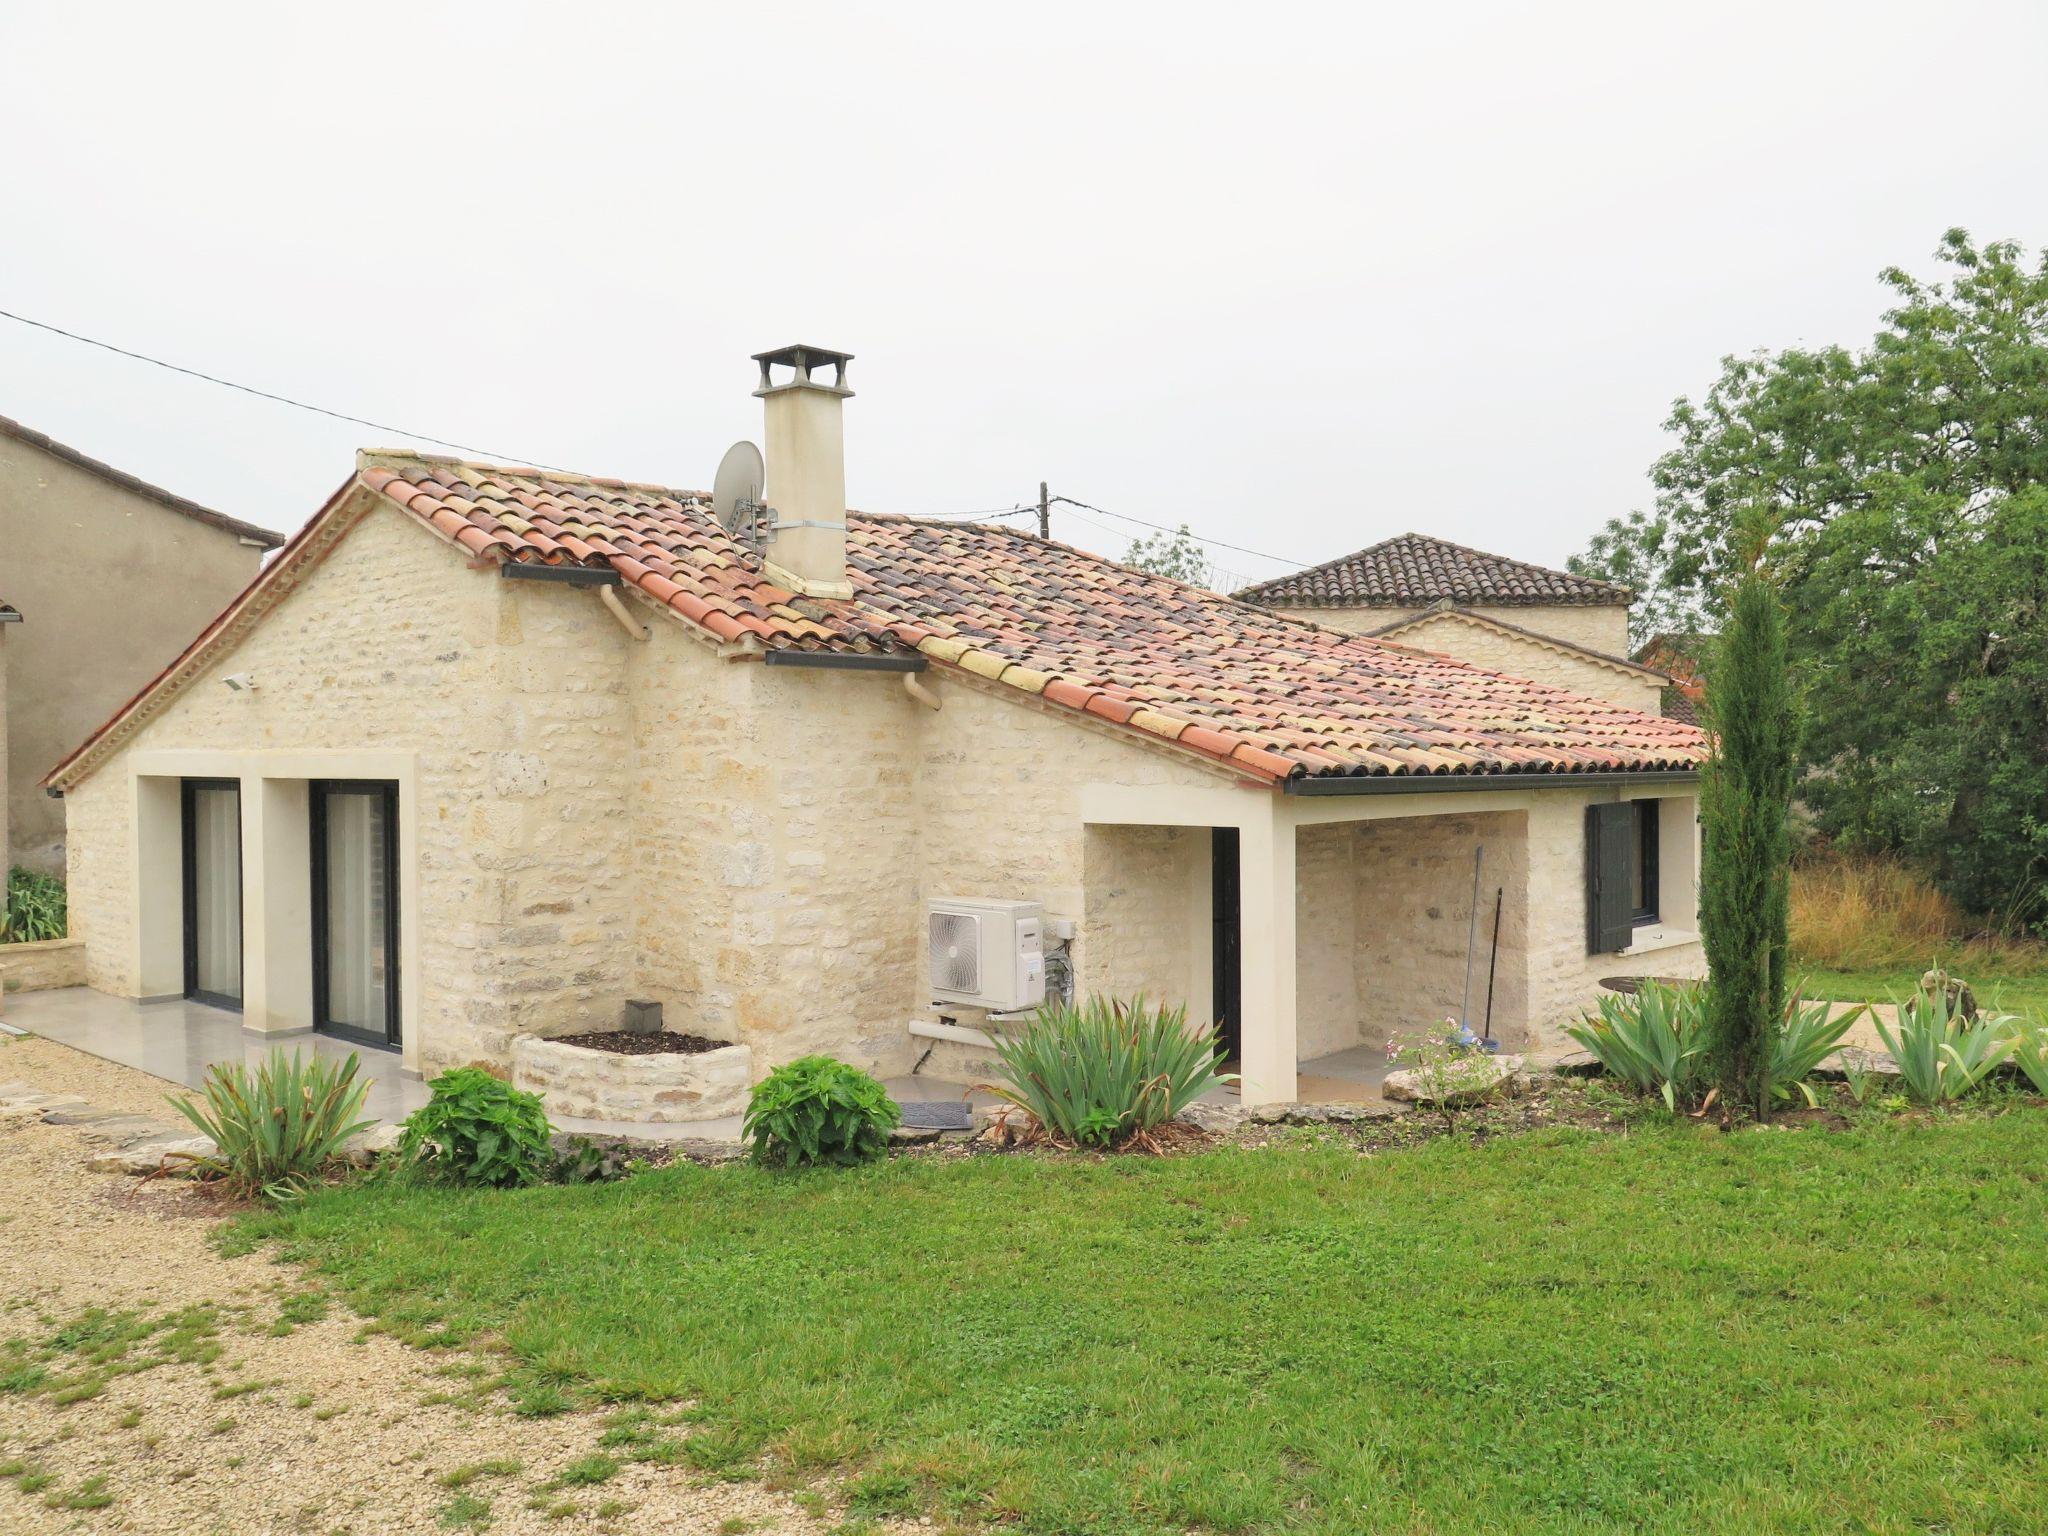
point(127, 1129)
point(76, 1116)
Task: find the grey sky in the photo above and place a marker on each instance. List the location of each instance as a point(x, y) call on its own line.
point(1300, 277)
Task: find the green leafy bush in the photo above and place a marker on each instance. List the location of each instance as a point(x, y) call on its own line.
point(586, 1160)
point(1941, 1053)
point(279, 1126)
point(35, 908)
point(818, 1110)
point(478, 1129)
point(1804, 1039)
point(1655, 1039)
point(1107, 1072)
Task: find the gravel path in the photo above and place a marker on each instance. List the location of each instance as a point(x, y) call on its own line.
point(342, 1435)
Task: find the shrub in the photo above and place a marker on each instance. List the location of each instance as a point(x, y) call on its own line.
point(1940, 1053)
point(478, 1129)
point(276, 1127)
point(1655, 1039)
point(818, 1110)
point(35, 908)
point(1805, 1037)
point(1107, 1072)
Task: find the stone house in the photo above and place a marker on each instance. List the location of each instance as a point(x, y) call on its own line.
point(488, 754)
point(1489, 610)
point(69, 660)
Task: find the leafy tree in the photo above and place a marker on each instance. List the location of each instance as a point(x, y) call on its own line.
point(1745, 872)
point(1629, 552)
point(1176, 555)
point(1905, 481)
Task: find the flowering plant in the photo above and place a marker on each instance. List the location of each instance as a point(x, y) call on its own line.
point(1448, 1063)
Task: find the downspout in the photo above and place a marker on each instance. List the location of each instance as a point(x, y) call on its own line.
point(609, 596)
point(919, 692)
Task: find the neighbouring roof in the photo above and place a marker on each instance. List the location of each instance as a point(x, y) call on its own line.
point(128, 482)
point(1449, 610)
point(1267, 695)
point(1414, 569)
point(1681, 705)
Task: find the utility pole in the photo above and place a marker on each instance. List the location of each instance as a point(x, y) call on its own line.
point(1044, 512)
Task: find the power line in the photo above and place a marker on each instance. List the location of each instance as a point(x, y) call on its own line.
point(264, 394)
point(1161, 527)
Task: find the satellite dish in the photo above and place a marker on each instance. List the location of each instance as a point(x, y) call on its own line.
point(736, 493)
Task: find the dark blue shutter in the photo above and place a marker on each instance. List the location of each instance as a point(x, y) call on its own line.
point(1610, 863)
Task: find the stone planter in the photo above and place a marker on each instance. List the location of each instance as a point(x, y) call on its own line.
point(44, 964)
point(666, 1089)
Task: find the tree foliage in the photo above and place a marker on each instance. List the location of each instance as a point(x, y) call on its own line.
point(1176, 555)
point(1908, 486)
point(1746, 841)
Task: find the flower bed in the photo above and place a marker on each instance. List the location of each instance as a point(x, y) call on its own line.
point(659, 1088)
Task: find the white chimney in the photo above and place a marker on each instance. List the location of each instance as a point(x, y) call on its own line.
point(806, 470)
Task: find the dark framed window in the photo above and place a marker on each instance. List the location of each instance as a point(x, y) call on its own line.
point(210, 839)
point(354, 838)
point(1642, 893)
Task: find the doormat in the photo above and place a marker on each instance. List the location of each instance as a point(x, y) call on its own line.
point(936, 1115)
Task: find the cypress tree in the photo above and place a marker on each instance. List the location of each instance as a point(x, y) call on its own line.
point(1746, 855)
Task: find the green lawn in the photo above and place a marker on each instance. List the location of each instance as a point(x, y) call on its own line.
point(1673, 1330)
point(2023, 991)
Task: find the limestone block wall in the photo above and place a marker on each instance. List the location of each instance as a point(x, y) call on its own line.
point(1599, 627)
point(509, 694)
point(1146, 900)
point(1382, 923)
point(1451, 636)
point(1563, 977)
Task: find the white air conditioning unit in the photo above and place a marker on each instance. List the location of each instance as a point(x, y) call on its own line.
point(987, 954)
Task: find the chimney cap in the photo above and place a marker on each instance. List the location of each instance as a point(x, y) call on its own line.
point(801, 360)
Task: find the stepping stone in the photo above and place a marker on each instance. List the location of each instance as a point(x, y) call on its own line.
point(128, 1129)
point(937, 1115)
point(77, 1116)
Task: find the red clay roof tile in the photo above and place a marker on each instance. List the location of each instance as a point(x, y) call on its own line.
point(1270, 695)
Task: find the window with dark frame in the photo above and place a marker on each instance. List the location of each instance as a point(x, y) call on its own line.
point(1643, 875)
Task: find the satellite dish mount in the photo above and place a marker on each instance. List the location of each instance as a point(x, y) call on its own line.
point(736, 495)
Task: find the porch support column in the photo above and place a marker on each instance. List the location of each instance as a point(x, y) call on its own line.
point(277, 907)
point(1266, 975)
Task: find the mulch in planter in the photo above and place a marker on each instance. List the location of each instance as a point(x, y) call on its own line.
point(664, 1043)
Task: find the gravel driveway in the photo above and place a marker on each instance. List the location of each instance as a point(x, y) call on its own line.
point(297, 1424)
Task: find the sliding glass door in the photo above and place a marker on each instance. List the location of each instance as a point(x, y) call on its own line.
point(212, 834)
point(355, 910)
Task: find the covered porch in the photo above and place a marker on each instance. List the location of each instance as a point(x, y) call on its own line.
point(1317, 927)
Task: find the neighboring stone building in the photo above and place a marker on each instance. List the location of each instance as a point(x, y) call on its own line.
point(1494, 612)
point(542, 746)
point(1678, 655)
point(72, 532)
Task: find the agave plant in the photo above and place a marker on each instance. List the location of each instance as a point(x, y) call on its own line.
point(1805, 1038)
point(1655, 1039)
point(1107, 1072)
point(1942, 1053)
point(277, 1127)
point(2030, 1051)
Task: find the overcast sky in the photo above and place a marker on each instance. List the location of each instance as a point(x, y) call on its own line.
point(1300, 277)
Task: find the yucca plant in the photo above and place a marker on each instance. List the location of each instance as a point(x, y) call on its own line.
point(1108, 1072)
point(279, 1126)
point(1805, 1038)
point(1655, 1039)
point(1940, 1053)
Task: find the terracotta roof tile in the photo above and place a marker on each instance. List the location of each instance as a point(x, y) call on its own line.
point(1271, 696)
point(1414, 570)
